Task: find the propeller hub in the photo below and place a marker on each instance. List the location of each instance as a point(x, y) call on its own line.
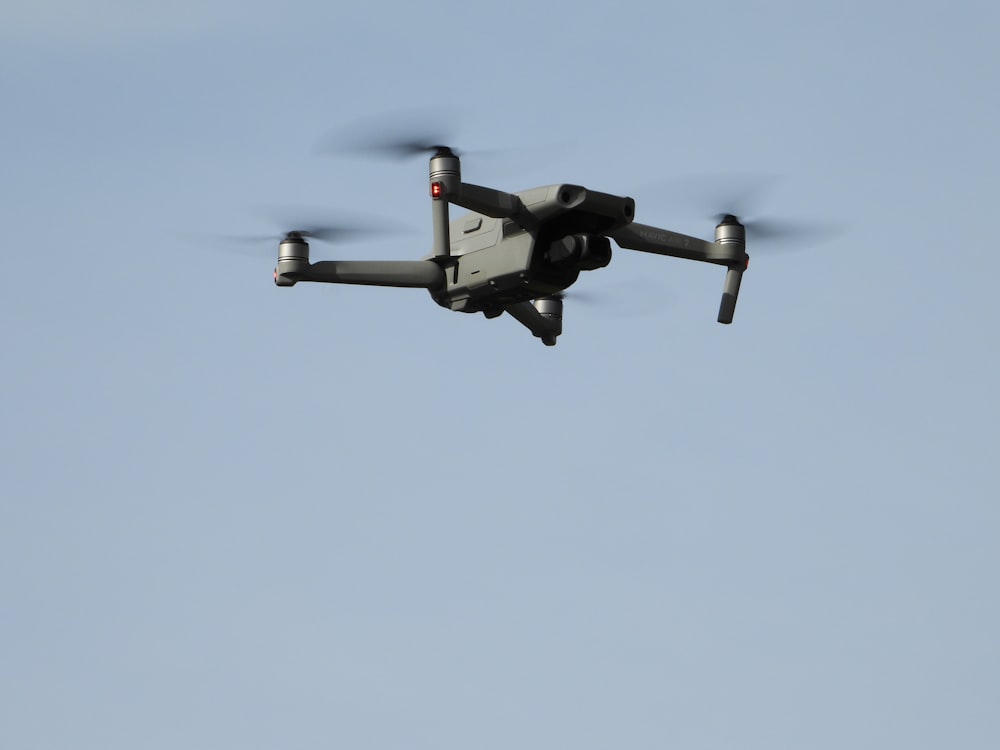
point(445, 173)
point(293, 247)
point(729, 231)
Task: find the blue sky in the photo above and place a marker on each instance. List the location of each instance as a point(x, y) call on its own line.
point(335, 516)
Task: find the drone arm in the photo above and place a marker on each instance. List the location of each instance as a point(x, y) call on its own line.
point(729, 250)
point(490, 202)
point(419, 274)
point(649, 239)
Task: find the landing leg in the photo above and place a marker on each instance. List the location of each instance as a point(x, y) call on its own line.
point(543, 317)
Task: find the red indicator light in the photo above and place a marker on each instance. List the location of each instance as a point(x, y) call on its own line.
point(437, 190)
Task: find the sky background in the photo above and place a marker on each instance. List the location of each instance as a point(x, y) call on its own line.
point(240, 516)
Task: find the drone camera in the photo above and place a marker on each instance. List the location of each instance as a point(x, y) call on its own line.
point(584, 251)
point(595, 252)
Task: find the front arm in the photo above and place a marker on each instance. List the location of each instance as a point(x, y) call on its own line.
point(729, 250)
point(647, 239)
point(419, 274)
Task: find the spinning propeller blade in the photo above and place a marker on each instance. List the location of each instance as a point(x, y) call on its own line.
point(395, 135)
point(405, 134)
point(739, 195)
point(621, 299)
point(781, 230)
point(333, 233)
point(342, 231)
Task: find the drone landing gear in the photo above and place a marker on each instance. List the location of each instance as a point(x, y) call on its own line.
point(543, 317)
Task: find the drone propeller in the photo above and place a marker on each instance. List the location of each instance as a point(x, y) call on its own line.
point(575, 296)
point(332, 233)
point(405, 134)
point(621, 299)
point(347, 230)
point(401, 148)
point(780, 229)
point(395, 135)
point(740, 195)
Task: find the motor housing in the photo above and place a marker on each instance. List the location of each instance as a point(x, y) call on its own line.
point(732, 233)
point(293, 260)
point(550, 308)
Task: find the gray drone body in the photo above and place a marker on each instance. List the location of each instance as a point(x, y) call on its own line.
point(516, 252)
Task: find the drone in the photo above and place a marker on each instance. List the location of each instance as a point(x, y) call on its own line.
point(517, 253)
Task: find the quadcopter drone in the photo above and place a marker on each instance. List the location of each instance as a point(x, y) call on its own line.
point(516, 253)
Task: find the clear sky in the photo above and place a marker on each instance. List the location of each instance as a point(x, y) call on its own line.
point(241, 516)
